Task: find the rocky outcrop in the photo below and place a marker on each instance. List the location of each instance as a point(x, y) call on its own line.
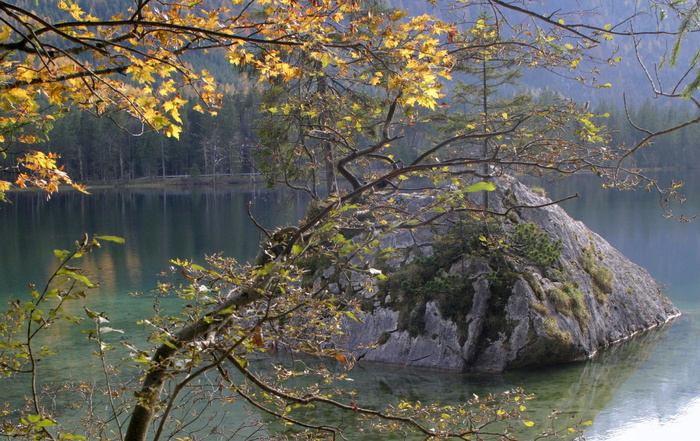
point(533, 288)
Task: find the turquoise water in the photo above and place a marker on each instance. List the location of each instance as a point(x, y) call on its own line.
point(635, 391)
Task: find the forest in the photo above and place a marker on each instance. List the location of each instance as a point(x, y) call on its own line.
point(105, 149)
point(102, 149)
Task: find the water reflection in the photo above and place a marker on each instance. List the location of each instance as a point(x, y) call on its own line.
point(157, 226)
point(648, 381)
point(655, 427)
point(580, 391)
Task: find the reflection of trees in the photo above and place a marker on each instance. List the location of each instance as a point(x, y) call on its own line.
point(157, 226)
point(578, 390)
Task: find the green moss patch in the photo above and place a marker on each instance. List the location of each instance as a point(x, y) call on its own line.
point(568, 300)
point(601, 276)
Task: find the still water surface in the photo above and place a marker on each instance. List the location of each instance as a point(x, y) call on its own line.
point(646, 389)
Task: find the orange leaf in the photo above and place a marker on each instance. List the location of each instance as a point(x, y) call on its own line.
point(257, 336)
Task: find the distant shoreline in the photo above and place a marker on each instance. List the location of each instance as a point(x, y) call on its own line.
point(180, 181)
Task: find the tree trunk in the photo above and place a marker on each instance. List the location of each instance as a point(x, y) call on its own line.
point(331, 177)
point(485, 96)
point(149, 395)
point(162, 157)
point(327, 146)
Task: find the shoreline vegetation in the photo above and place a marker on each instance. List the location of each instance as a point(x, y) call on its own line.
point(165, 182)
point(221, 179)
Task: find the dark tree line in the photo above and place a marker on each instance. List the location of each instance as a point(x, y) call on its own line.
point(105, 149)
point(101, 149)
point(672, 151)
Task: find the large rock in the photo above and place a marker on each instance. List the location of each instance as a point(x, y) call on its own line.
point(507, 312)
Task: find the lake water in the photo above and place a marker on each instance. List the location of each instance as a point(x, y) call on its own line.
point(645, 389)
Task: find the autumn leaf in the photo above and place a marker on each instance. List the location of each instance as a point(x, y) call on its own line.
point(341, 358)
point(258, 336)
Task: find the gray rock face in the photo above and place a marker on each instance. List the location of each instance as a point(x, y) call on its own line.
point(594, 298)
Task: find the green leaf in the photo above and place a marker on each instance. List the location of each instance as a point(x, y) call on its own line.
point(347, 249)
point(71, 436)
point(61, 254)
point(167, 343)
point(339, 238)
point(297, 249)
point(79, 277)
point(116, 239)
point(53, 292)
point(142, 359)
point(352, 316)
point(243, 362)
point(480, 186)
point(46, 423)
point(349, 207)
point(265, 270)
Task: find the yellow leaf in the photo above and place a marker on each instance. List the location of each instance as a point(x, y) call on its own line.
point(19, 94)
point(5, 33)
point(173, 131)
point(529, 423)
point(167, 88)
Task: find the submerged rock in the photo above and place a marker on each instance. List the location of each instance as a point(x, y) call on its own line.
point(533, 288)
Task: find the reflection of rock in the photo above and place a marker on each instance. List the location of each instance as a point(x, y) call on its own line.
point(658, 395)
point(602, 377)
point(498, 312)
point(579, 390)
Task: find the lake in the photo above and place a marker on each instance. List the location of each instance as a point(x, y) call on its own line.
point(645, 389)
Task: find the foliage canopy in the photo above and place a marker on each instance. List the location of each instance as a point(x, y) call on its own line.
point(359, 97)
